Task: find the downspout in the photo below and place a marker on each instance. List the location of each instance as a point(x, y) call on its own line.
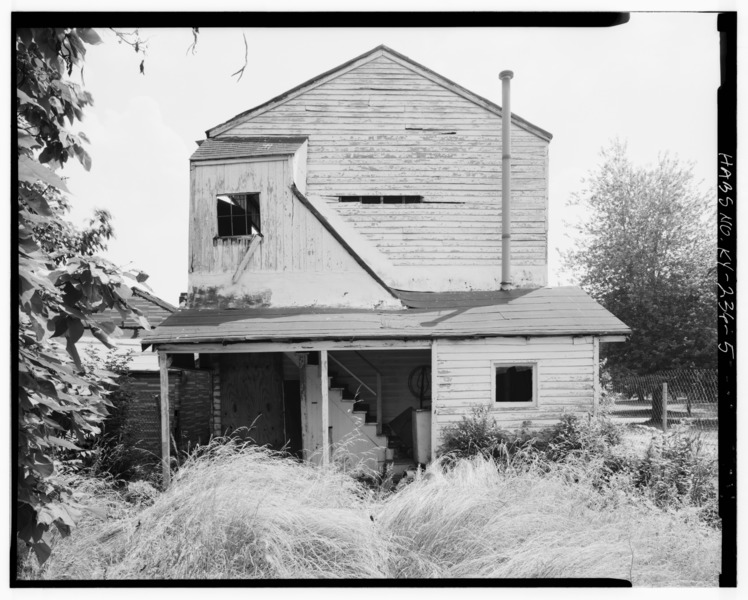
point(506, 181)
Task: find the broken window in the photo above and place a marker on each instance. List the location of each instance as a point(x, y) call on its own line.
point(382, 199)
point(514, 383)
point(238, 215)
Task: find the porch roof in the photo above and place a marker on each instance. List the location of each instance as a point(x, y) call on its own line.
point(542, 312)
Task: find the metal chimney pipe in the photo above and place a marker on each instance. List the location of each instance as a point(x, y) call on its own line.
point(506, 181)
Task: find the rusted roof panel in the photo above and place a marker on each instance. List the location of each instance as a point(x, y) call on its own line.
point(246, 147)
point(544, 311)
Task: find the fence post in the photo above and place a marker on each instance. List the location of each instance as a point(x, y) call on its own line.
point(664, 407)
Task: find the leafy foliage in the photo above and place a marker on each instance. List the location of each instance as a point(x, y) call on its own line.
point(62, 283)
point(646, 250)
point(676, 471)
point(570, 438)
point(115, 453)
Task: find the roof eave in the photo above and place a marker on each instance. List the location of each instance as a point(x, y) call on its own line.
point(227, 341)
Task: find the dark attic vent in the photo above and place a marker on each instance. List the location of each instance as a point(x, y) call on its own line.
point(382, 199)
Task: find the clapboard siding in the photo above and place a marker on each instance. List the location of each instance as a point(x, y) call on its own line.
point(383, 128)
point(464, 373)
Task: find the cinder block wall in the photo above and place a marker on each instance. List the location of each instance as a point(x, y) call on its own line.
point(190, 398)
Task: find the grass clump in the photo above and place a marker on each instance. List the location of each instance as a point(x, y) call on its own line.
point(234, 511)
point(474, 519)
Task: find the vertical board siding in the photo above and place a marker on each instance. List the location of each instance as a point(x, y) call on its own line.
point(381, 128)
point(293, 239)
point(565, 384)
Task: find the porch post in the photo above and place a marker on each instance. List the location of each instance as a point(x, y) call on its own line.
point(595, 375)
point(434, 397)
point(379, 403)
point(163, 364)
point(325, 385)
point(306, 439)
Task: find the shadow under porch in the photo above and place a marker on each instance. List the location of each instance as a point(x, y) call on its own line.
point(277, 399)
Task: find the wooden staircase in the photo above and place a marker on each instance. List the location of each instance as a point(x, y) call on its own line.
point(354, 432)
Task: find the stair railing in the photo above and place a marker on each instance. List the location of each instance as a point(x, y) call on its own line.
point(377, 394)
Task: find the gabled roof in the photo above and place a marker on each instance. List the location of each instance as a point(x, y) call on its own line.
point(246, 147)
point(381, 50)
point(538, 312)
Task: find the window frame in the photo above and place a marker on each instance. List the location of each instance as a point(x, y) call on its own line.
point(533, 404)
point(248, 220)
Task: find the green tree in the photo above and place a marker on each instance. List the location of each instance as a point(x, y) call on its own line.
point(646, 250)
point(62, 283)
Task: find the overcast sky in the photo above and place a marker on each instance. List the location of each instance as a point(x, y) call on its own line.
point(652, 82)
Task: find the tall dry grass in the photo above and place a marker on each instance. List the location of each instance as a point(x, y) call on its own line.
point(247, 513)
point(234, 512)
point(475, 521)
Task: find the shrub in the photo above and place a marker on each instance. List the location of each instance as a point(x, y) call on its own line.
point(676, 472)
point(571, 438)
point(476, 434)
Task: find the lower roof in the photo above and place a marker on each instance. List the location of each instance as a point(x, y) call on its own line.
point(536, 312)
point(247, 147)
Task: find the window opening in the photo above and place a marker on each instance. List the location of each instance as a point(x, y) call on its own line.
point(238, 215)
point(514, 383)
point(382, 199)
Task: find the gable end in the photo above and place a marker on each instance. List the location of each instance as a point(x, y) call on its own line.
point(400, 59)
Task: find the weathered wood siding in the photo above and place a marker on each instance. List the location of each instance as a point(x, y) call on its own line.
point(565, 372)
point(294, 240)
point(252, 397)
point(382, 128)
point(294, 243)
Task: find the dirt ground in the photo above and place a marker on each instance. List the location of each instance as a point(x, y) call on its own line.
point(640, 426)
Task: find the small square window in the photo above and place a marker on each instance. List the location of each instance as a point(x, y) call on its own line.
point(238, 215)
point(514, 384)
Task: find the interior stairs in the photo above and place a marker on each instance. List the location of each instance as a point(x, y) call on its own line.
point(385, 452)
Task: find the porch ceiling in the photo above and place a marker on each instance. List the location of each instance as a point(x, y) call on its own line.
point(544, 311)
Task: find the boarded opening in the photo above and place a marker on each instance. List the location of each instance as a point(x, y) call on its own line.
point(252, 397)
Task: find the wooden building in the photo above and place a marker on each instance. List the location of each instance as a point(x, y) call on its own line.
point(347, 281)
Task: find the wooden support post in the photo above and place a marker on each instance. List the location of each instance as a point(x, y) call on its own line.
point(325, 385)
point(163, 364)
point(379, 404)
point(595, 375)
point(664, 407)
point(434, 397)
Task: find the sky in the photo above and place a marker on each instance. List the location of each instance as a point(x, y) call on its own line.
point(651, 82)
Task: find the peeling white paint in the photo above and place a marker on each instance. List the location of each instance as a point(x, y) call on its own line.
point(283, 289)
point(427, 278)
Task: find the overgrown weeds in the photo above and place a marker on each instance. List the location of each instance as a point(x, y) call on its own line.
point(237, 511)
point(676, 472)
